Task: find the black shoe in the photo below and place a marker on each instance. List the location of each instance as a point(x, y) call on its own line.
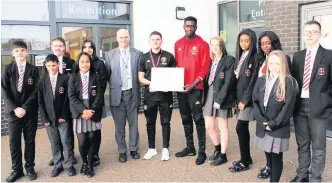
point(186, 152)
point(51, 163)
point(264, 173)
point(201, 158)
point(215, 155)
point(221, 159)
point(298, 179)
point(122, 157)
point(90, 172)
point(31, 174)
point(84, 169)
point(239, 166)
point(56, 171)
point(71, 171)
point(14, 176)
point(96, 160)
point(135, 154)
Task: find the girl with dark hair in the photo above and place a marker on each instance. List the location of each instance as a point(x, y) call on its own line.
point(219, 98)
point(85, 94)
point(274, 99)
point(268, 41)
point(89, 47)
point(246, 71)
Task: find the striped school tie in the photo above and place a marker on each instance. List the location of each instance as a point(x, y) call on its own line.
point(85, 85)
point(20, 79)
point(307, 71)
point(53, 83)
point(213, 71)
point(237, 71)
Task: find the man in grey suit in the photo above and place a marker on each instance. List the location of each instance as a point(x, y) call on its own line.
point(122, 69)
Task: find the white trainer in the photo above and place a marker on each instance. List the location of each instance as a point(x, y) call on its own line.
point(150, 154)
point(165, 155)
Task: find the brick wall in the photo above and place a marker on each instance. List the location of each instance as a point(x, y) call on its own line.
point(283, 17)
point(4, 122)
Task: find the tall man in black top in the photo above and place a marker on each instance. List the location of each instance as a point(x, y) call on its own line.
point(312, 68)
point(19, 82)
point(156, 57)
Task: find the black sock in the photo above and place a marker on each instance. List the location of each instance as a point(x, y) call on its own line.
point(218, 147)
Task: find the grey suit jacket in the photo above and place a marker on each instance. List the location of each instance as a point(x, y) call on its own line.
point(112, 61)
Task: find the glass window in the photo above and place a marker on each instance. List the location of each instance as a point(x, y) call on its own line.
point(8, 59)
point(92, 10)
point(25, 10)
point(36, 37)
point(228, 25)
point(252, 10)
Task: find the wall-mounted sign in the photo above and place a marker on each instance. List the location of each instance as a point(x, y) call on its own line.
point(39, 60)
point(252, 10)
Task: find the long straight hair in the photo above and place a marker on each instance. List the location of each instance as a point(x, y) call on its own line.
point(221, 46)
point(283, 74)
point(93, 46)
point(275, 45)
point(252, 48)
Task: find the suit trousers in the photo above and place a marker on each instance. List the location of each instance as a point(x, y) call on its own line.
point(59, 140)
point(126, 110)
point(29, 128)
point(310, 131)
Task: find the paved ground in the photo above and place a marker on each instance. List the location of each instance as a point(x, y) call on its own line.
point(177, 169)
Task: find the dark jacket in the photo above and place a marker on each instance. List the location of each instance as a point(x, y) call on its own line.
point(320, 100)
point(96, 96)
point(277, 112)
point(27, 99)
point(53, 109)
point(223, 83)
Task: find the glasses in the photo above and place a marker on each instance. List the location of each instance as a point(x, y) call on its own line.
point(307, 33)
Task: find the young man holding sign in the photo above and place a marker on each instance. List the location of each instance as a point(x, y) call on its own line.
point(156, 57)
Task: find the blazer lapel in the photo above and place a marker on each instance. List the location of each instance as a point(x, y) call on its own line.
point(219, 66)
point(117, 60)
point(132, 59)
point(27, 79)
point(318, 59)
point(48, 87)
point(91, 79)
point(261, 98)
point(79, 84)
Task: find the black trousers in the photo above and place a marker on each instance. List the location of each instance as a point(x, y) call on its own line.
point(190, 105)
point(15, 129)
point(150, 112)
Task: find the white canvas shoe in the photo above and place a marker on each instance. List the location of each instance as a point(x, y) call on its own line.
point(150, 154)
point(165, 155)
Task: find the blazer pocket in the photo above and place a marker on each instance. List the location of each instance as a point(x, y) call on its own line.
point(326, 100)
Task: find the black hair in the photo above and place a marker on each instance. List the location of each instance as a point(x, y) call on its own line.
point(314, 22)
point(275, 45)
point(156, 33)
point(77, 66)
point(93, 46)
point(51, 58)
point(19, 44)
point(191, 18)
point(252, 47)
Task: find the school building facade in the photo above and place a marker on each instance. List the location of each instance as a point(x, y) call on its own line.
point(75, 21)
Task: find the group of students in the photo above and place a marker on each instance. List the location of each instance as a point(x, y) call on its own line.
point(260, 83)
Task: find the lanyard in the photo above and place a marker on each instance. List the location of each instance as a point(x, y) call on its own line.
point(151, 57)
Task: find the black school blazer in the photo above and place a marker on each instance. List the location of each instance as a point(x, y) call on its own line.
point(53, 109)
point(247, 79)
point(320, 88)
point(96, 96)
point(28, 98)
point(223, 83)
point(278, 112)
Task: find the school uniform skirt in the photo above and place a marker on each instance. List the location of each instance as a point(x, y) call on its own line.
point(210, 111)
point(82, 126)
point(271, 144)
point(247, 114)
